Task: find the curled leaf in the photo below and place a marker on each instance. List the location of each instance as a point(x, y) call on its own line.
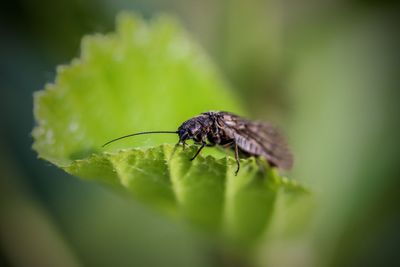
point(151, 76)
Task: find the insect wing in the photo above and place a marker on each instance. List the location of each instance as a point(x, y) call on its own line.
point(258, 138)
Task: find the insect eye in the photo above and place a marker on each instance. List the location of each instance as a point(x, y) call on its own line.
point(185, 135)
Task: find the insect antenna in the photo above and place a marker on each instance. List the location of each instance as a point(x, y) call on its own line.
point(139, 133)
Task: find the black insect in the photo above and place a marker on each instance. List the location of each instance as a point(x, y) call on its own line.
point(247, 138)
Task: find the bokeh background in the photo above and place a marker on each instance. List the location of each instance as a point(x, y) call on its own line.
point(326, 71)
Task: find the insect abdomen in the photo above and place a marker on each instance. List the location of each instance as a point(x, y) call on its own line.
point(281, 157)
point(248, 146)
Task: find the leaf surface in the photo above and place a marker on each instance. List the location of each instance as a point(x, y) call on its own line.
point(151, 76)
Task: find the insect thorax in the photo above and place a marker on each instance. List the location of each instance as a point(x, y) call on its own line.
point(201, 128)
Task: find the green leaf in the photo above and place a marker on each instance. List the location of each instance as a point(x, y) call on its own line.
point(151, 76)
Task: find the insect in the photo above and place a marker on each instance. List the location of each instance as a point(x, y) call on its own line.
point(245, 137)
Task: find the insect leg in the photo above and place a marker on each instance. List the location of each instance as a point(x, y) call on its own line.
point(198, 151)
point(237, 158)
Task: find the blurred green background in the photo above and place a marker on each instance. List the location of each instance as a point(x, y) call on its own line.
point(326, 71)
